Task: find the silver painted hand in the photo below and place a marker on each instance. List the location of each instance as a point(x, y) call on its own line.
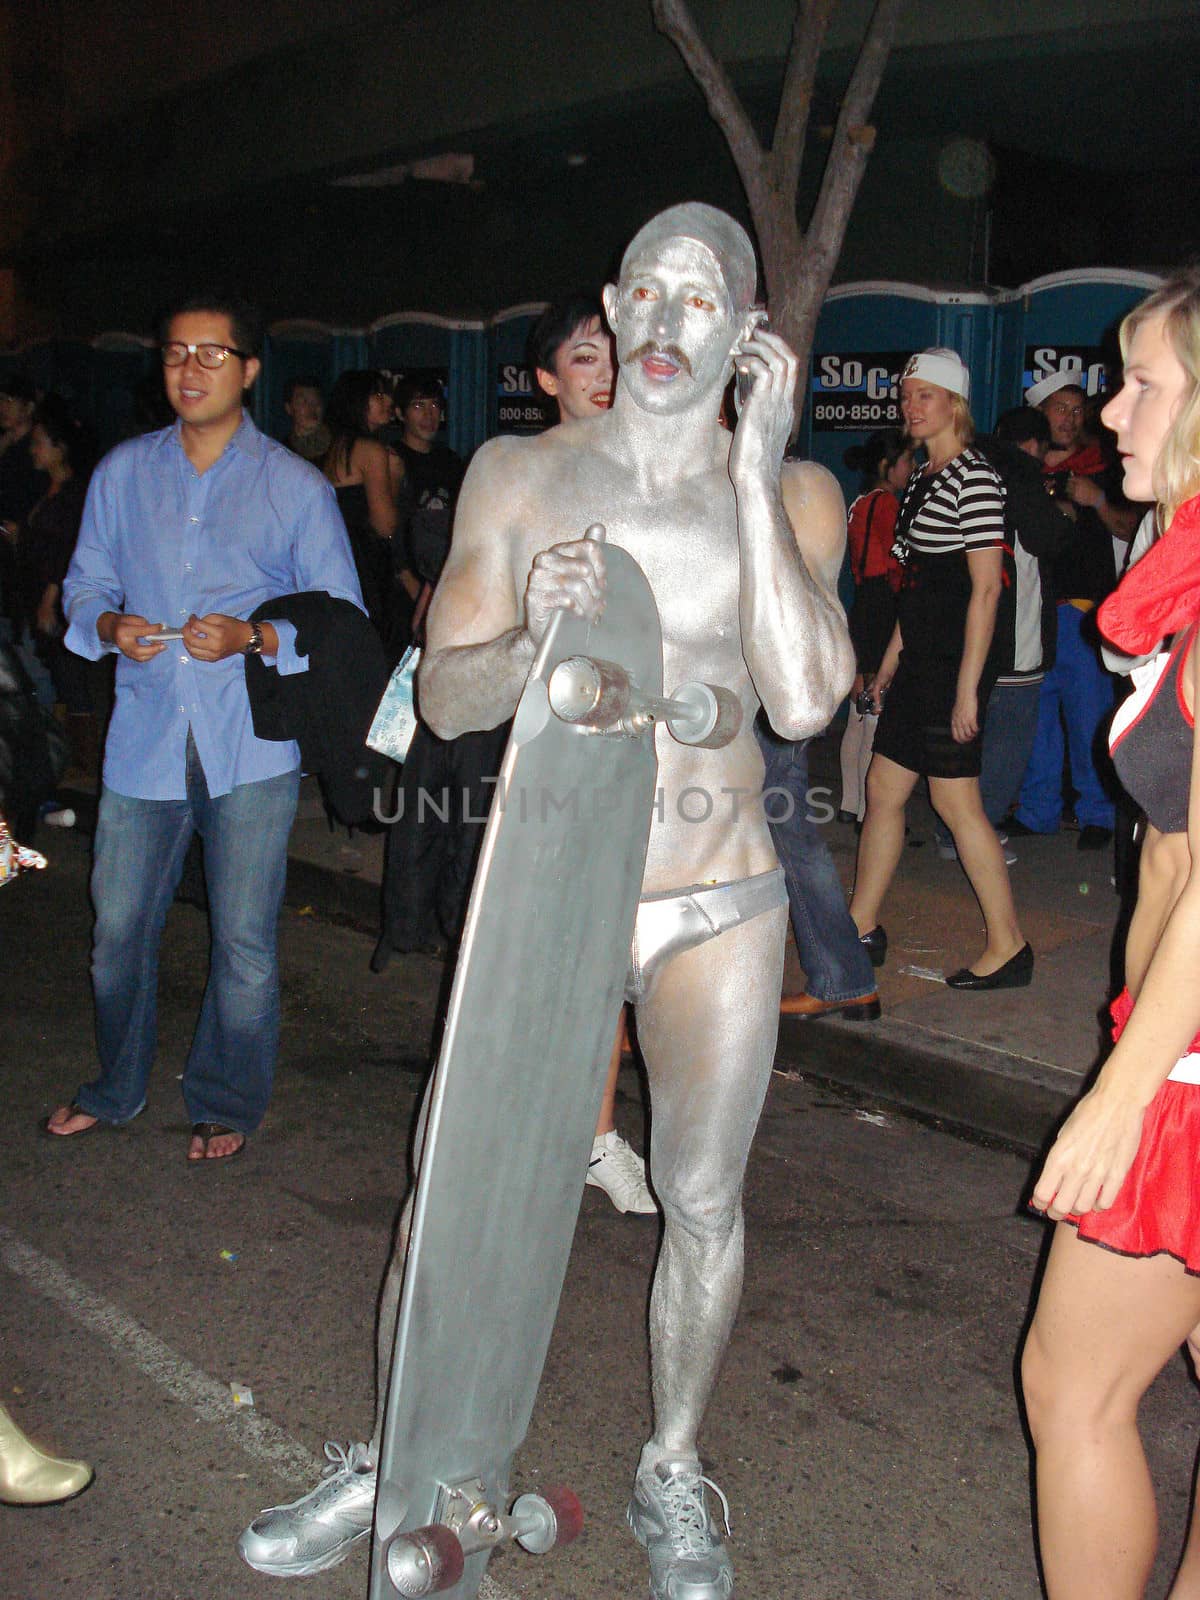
point(765, 424)
point(567, 577)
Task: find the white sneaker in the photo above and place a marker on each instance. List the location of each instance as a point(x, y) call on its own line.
point(668, 1516)
point(319, 1530)
point(618, 1169)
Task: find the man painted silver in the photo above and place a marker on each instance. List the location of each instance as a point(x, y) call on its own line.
point(742, 557)
point(742, 605)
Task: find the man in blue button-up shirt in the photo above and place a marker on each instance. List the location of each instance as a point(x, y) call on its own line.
point(185, 534)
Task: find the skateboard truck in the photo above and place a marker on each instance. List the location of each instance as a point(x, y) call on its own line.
point(430, 1560)
point(602, 697)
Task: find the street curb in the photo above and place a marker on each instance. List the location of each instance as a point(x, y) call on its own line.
point(962, 1085)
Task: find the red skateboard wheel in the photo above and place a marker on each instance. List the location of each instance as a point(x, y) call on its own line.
point(555, 1516)
point(568, 1512)
point(426, 1561)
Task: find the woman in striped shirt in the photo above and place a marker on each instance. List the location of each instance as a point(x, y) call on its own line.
point(939, 668)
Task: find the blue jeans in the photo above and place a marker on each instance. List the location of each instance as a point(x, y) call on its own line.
point(1076, 691)
point(835, 964)
point(140, 846)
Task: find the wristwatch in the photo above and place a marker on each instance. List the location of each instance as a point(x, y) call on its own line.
point(255, 643)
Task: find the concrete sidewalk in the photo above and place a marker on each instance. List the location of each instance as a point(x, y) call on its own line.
point(1005, 1064)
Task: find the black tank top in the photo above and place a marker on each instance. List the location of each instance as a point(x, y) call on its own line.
point(1151, 739)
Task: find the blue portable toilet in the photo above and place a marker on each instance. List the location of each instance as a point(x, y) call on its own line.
point(38, 362)
point(865, 334)
point(68, 371)
point(515, 403)
point(1065, 321)
point(121, 364)
point(448, 349)
point(301, 349)
point(59, 366)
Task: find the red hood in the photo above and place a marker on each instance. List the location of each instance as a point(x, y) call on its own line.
point(1161, 594)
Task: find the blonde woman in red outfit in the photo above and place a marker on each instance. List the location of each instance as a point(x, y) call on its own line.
point(1124, 1172)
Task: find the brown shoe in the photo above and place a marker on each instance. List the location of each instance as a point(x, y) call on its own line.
point(863, 1008)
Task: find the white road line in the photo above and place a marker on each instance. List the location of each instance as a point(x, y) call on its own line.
point(182, 1381)
point(208, 1398)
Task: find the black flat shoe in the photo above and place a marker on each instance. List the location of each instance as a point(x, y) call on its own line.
point(1016, 973)
point(1017, 830)
point(381, 955)
point(875, 944)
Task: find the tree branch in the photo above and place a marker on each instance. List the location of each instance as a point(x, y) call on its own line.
point(673, 19)
point(853, 138)
point(795, 102)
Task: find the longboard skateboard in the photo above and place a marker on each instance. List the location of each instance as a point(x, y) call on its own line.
point(529, 1030)
point(512, 1110)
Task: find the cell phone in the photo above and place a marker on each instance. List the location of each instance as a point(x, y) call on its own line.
point(167, 636)
point(745, 383)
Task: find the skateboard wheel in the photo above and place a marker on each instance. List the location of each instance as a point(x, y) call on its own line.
point(594, 694)
point(425, 1561)
point(553, 1517)
point(704, 715)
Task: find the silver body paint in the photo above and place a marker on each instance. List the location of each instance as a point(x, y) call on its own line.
point(703, 515)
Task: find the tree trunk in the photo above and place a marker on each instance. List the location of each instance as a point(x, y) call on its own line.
point(797, 266)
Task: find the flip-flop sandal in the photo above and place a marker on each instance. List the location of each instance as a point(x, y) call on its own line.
point(207, 1132)
point(74, 1110)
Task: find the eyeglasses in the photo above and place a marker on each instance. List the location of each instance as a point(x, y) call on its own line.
point(174, 353)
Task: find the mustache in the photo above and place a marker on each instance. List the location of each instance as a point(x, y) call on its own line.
point(650, 348)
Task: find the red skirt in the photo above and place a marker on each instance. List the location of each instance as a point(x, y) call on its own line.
point(1157, 1209)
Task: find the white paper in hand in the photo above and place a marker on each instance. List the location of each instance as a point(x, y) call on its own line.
point(396, 720)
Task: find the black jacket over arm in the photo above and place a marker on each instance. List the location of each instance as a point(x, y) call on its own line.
point(329, 709)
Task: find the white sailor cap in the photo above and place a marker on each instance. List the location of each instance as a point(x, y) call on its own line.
point(1051, 384)
point(944, 367)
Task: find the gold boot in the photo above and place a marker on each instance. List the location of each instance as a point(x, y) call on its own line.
point(29, 1477)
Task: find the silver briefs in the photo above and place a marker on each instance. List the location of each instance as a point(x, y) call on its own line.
point(680, 919)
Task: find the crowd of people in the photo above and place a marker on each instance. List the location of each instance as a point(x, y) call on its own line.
point(46, 456)
point(981, 568)
point(976, 576)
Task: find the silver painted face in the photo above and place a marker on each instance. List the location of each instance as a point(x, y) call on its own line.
point(727, 240)
point(675, 326)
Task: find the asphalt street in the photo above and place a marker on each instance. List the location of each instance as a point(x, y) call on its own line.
point(866, 1429)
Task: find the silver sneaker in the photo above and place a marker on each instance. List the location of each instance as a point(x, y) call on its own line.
point(688, 1559)
point(317, 1531)
point(617, 1168)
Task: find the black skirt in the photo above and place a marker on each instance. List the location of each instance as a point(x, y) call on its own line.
point(914, 725)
